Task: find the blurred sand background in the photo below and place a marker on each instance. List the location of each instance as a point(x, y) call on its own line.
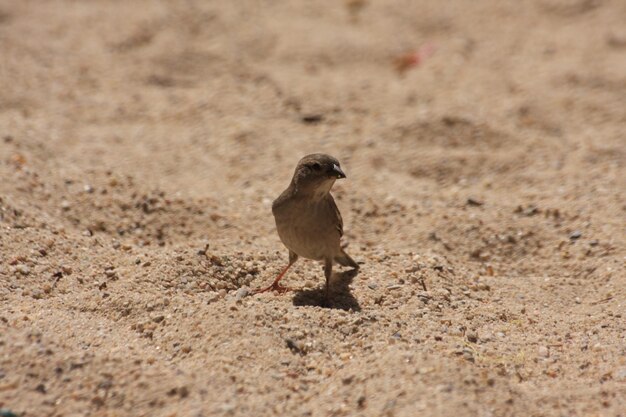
point(485, 197)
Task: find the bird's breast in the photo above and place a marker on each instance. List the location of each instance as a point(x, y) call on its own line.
point(308, 228)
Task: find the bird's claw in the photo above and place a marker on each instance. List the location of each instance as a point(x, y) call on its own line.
point(274, 287)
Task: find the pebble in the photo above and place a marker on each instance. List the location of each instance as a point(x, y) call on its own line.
point(468, 354)
point(241, 293)
point(453, 331)
point(576, 234)
point(212, 296)
point(543, 351)
point(157, 318)
point(394, 287)
point(229, 408)
point(442, 292)
point(23, 269)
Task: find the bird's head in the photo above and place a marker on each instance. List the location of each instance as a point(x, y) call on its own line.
point(316, 174)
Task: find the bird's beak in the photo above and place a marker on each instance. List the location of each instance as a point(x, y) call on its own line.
point(337, 172)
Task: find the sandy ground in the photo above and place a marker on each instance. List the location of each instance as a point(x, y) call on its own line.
point(485, 197)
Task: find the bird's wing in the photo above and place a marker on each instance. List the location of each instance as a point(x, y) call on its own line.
point(337, 215)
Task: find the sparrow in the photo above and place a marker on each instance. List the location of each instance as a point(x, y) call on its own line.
point(308, 221)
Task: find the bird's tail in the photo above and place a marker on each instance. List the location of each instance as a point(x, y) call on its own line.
point(345, 260)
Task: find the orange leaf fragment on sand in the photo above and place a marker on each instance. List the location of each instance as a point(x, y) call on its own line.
point(412, 59)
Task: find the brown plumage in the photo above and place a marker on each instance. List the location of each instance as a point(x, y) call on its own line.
point(307, 219)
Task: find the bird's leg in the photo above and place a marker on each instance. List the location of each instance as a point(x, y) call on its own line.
point(275, 285)
point(328, 272)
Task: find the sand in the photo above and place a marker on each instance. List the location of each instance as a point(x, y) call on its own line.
point(485, 199)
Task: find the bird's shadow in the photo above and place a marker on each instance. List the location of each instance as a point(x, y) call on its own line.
point(340, 296)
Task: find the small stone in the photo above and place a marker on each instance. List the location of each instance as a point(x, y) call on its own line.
point(66, 205)
point(394, 287)
point(212, 296)
point(312, 118)
point(576, 234)
point(453, 331)
point(543, 351)
point(474, 202)
point(361, 402)
point(241, 293)
point(472, 337)
point(157, 318)
point(227, 408)
point(372, 285)
point(23, 269)
point(296, 347)
point(468, 354)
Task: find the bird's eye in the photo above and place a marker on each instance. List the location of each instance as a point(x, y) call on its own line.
point(316, 166)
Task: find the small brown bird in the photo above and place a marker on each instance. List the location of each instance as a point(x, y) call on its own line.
point(307, 219)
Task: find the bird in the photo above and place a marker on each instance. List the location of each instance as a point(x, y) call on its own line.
point(308, 221)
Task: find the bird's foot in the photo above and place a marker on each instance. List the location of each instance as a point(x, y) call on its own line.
point(274, 287)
